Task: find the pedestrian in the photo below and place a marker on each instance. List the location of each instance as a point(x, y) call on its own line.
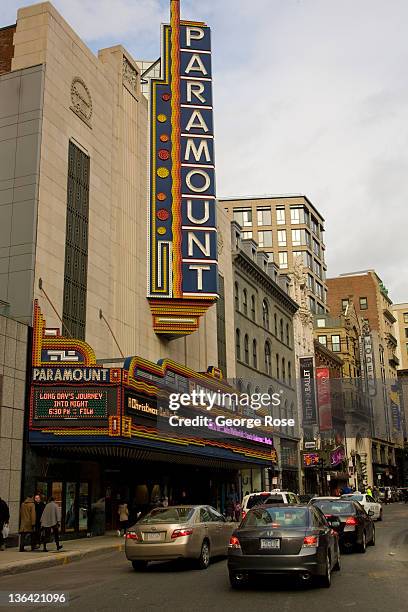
point(346, 489)
point(50, 522)
point(27, 522)
point(369, 492)
point(123, 512)
point(4, 520)
point(39, 509)
point(388, 495)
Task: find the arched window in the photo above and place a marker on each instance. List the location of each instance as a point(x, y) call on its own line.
point(254, 354)
point(265, 314)
point(245, 302)
point(289, 373)
point(238, 343)
point(236, 295)
point(277, 367)
point(275, 318)
point(253, 307)
point(283, 370)
point(287, 334)
point(267, 358)
point(246, 349)
point(281, 329)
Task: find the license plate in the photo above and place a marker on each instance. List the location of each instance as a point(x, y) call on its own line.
point(270, 543)
point(153, 537)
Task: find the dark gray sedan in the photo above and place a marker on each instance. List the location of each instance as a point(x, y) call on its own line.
point(282, 539)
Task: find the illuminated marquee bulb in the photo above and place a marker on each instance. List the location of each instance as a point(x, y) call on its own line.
point(163, 172)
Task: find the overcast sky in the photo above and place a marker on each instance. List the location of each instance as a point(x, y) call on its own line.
point(311, 96)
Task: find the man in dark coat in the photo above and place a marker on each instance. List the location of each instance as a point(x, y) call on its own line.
point(4, 519)
point(39, 509)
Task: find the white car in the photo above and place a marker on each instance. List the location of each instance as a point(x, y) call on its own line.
point(255, 499)
point(367, 502)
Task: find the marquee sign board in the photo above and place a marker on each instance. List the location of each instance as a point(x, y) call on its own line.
point(182, 254)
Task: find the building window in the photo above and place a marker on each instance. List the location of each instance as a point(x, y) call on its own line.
point(287, 334)
point(406, 332)
point(280, 216)
point(283, 259)
point(321, 322)
point(246, 235)
point(298, 215)
point(265, 238)
point(76, 243)
point(277, 366)
point(254, 354)
point(246, 349)
point(243, 216)
point(300, 237)
point(265, 314)
point(264, 216)
point(289, 374)
point(344, 304)
point(405, 317)
point(275, 319)
point(312, 304)
point(322, 340)
point(245, 302)
point(267, 358)
point(238, 343)
point(315, 226)
point(236, 295)
point(221, 335)
point(319, 290)
point(310, 282)
point(363, 303)
point(316, 247)
point(283, 370)
point(253, 308)
point(281, 329)
point(317, 268)
point(320, 309)
point(335, 342)
point(281, 237)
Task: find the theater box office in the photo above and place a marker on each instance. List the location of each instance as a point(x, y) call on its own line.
point(98, 436)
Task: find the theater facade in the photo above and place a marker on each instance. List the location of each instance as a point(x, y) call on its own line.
point(99, 435)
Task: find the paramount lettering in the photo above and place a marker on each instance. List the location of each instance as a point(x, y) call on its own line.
point(69, 374)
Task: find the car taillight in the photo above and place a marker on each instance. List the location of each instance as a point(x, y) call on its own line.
point(351, 520)
point(234, 542)
point(179, 533)
point(310, 541)
point(243, 514)
point(132, 535)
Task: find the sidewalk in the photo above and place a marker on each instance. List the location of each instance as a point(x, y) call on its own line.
point(14, 562)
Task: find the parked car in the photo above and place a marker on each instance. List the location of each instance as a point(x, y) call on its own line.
point(175, 532)
point(255, 499)
point(283, 539)
point(353, 524)
point(367, 502)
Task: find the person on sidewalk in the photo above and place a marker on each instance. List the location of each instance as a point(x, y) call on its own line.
point(123, 512)
point(39, 509)
point(50, 522)
point(4, 519)
point(27, 522)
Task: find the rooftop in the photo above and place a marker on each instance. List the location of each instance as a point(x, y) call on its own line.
point(272, 197)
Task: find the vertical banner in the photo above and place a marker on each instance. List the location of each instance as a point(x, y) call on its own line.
point(308, 392)
point(324, 398)
point(182, 258)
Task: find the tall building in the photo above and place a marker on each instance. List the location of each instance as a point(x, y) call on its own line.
point(286, 227)
point(400, 312)
point(265, 351)
point(370, 299)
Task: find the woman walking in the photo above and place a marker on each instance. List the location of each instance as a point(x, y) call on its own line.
point(50, 522)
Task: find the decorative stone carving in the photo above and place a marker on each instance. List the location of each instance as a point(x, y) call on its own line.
point(81, 101)
point(129, 75)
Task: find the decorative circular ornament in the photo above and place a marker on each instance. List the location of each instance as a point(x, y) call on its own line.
point(163, 172)
point(161, 196)
point(164, 154)
point(164, 138)
point(162, 118)
point(166, 97)
point(162, 214)
point(161, 230)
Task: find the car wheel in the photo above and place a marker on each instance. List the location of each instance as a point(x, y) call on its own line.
point(204, 558)
point(372, 542)
point(363, 546)
point(139, 566)
point(238, 580)
point(337, 565)
point(325, 580)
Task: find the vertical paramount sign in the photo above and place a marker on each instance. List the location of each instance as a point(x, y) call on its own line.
point(183, 237)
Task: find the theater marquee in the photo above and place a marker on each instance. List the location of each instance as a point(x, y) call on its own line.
point(183, 236)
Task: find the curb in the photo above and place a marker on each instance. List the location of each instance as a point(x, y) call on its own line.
point(18, 567)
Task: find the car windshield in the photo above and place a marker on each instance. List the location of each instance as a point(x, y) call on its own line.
point(168, 515)
point(335, 507)
point(277, 517)
point(358, 498)
point(255, 500)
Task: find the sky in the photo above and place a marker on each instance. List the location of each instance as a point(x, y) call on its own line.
point(310, 96)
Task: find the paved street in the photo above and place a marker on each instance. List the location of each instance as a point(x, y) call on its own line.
point(369, 583)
